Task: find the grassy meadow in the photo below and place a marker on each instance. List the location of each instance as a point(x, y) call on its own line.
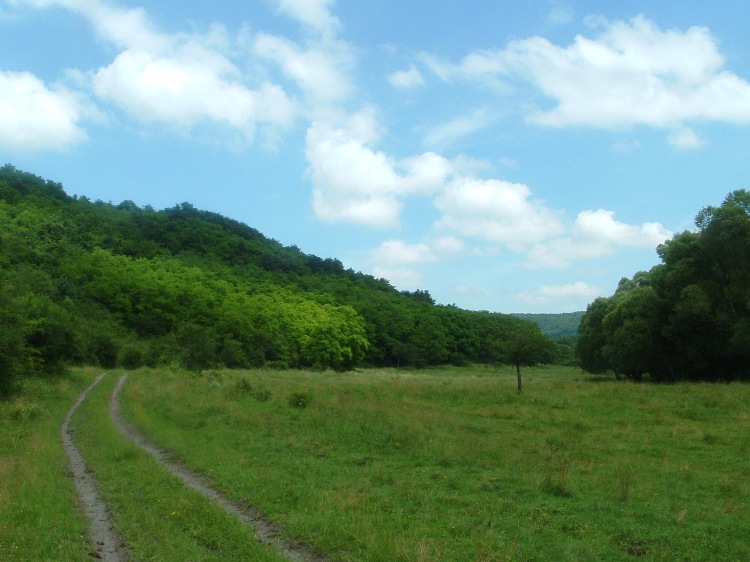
point(38, 515)
point(388, 465)
point(452, 465)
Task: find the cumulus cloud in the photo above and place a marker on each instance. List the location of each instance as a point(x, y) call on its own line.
point(406, 78)
point(497, 211)
point(187, 86)
point(181, 79)
point(354, 182)
point(34, 117)
point(601, 225)
point(594, 234)
point(631, 73)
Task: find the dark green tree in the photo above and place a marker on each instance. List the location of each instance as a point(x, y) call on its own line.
point(633, 344)
point(687, 318)
point(591, 339)
point(525, 344)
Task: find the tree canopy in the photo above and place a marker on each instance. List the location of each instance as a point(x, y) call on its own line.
point(687, 318)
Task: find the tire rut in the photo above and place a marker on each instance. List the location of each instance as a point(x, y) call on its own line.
point(108, 545)
point(265, 531)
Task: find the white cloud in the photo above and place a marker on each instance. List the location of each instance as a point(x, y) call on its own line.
point(121, 26)
point(573, 293)
point(486, 66)
point(321, 71)
point(396, 252)
point(188, 86)
point(321, 66)
point(601, 225)
point(632, 73)
point(398, 261)
point(315, 14)
point(33, 117)
point(464, 125)
point(595, 234)
point(449, 245)
point(685, 139)
point(182, 79)
point(406, 78)
point(356, 183)
point(424, 174)
point(470, 166)
point(497, 211)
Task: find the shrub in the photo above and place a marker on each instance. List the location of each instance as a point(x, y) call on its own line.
point(132, 357)
point(299, 400)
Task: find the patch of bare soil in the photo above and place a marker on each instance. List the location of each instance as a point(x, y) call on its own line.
point(108, 545)
point(265, 531)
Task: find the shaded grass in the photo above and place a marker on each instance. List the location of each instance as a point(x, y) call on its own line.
point(453, 465)
point(39, 514)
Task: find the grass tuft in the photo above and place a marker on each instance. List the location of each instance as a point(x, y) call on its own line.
point(624, 480)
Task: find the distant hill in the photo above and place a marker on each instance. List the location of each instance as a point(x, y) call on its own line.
point(564, 324)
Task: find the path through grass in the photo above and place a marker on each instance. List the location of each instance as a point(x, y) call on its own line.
point(446, 465)
point(158, 516)
point(40, 514)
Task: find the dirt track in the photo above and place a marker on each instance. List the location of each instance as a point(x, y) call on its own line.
point(107, 543)
point(265, 531)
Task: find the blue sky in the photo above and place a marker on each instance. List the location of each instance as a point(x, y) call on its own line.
point(506, 156)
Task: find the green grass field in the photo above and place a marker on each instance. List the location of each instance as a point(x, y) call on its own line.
point(387, 465)
point(38, 515)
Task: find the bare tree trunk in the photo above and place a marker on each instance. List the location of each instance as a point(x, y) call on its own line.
point(518, 376)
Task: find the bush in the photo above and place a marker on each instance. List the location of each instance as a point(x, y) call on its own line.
point(299, 400)
point(132, 357)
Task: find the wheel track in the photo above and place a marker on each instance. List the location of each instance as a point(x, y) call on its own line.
point(108, 545)
point(265, 530)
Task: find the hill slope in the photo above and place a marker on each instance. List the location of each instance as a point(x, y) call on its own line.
point(564, 324)
point(92, 282)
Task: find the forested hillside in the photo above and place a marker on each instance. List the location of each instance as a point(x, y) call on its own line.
point(89, 282)
point(687, 318)
point(555, 325)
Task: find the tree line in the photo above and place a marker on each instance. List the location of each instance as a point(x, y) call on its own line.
point(688, 318)
point(90, 282)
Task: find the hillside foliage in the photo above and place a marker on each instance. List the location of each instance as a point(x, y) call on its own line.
point(89, 282)
point(687, 318)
